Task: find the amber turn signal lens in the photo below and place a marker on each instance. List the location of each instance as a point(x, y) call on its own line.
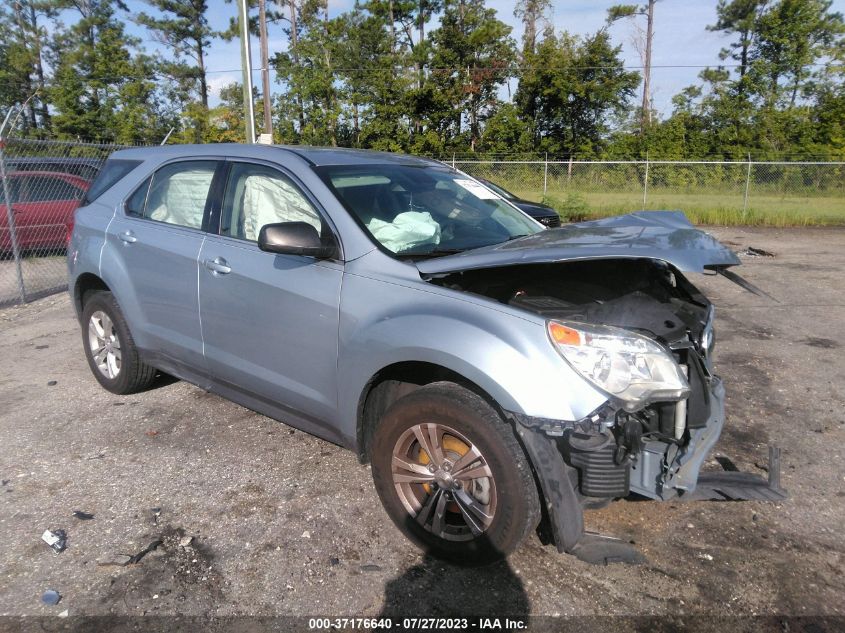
point(564, 335)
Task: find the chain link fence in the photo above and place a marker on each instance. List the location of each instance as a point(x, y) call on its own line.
point(42, 182)
point(709, 192)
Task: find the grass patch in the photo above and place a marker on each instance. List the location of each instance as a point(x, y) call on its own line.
point(701, 208)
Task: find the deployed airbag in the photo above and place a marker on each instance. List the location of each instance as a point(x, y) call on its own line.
point(181, 198)
point(268, 200)
point(408, 230)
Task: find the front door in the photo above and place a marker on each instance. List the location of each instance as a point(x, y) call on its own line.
point(270, 322)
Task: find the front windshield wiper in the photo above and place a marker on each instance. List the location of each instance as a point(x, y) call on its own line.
point(437, 252)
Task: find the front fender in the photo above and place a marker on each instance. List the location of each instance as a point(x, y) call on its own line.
point(506, 354)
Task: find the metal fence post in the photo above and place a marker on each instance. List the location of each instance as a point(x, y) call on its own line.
point(645, 182)
point(10, 214)
point(747, 187)
point(545, 175)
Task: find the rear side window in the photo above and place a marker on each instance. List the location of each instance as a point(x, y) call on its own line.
point(176, 194)
point(112, 171)
point(13, 185)
point(47, 189)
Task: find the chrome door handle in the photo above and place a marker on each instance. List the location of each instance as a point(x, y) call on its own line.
point(128, 237)
point(218, 265)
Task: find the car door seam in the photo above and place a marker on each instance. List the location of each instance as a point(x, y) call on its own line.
point(103, 246)
point(199, 298)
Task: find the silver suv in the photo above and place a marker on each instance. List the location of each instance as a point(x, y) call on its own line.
point(492, 372)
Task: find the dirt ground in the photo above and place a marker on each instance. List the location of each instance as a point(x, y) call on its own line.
point(286, 524)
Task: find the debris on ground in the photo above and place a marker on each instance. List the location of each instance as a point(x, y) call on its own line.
point(370, 567)
point(149, 548)
point(334, 561)
point(153, 514)
point(306, 534)
point(56, 539)
point(185, 541)
point(51, 597)
point(751, 251)
point(64, 613)
point(52, 383)
point(116, 560)
point(82, 516)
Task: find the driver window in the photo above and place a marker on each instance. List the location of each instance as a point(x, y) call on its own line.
point(257, 195)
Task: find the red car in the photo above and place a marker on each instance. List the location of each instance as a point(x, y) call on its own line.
point(43, 203)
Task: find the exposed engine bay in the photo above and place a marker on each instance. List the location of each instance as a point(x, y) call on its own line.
point(616, 450)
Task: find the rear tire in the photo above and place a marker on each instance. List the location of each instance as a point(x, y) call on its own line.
point(474, 500)
point(109, 347)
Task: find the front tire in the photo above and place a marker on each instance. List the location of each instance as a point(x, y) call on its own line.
point(110, 349)
point(452, 475)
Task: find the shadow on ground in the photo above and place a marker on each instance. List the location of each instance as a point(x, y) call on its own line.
point(435, 589)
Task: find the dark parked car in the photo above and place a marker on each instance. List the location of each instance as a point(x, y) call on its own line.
point(43, 204)
point(544, 214)
point(494, 374)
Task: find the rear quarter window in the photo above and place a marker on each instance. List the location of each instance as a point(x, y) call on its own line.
point(110, 174)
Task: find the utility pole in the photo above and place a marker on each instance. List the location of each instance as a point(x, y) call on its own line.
point(647, 76)
point(294, 49)
point(246, 65)
point(265, 69)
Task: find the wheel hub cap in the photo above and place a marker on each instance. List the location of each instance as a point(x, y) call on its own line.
point(104, 344)
point(444, 482)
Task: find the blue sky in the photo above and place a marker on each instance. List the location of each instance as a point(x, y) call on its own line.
point(681, 38)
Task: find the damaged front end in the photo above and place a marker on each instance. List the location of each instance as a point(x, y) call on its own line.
point(648, 438)
point(643, 335)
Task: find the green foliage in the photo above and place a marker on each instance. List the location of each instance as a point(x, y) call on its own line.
point(571, 91)
point(429, 77)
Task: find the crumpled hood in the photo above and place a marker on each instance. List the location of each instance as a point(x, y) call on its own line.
point(664, 235)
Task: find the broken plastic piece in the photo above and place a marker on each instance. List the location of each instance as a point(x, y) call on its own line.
point(82, 516)
point(57, 539)
point(51, 597)
point(118, 560)
point(751, 251)
point(600, 549)
point(149, 548)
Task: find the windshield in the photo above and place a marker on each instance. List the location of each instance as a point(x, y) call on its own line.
point(507, 195)
point(414, 211)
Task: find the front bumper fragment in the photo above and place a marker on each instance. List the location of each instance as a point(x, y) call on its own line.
point(663, 471)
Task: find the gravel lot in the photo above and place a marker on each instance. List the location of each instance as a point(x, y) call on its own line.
point(286, 524)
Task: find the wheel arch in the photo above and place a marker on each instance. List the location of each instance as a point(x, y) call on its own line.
point(86, 283)
point(398, 379)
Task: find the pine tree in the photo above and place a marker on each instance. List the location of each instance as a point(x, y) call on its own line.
point(183, 27)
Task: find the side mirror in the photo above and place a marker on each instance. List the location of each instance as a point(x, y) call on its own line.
point(295, 238)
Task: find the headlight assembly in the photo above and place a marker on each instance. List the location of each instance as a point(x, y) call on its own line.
point(631, 369)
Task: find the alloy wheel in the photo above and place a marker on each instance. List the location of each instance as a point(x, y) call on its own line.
point(444, 482)
point(104, 344)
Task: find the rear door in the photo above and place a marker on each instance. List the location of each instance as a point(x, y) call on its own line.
point(156, 241)
point(270, 322)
